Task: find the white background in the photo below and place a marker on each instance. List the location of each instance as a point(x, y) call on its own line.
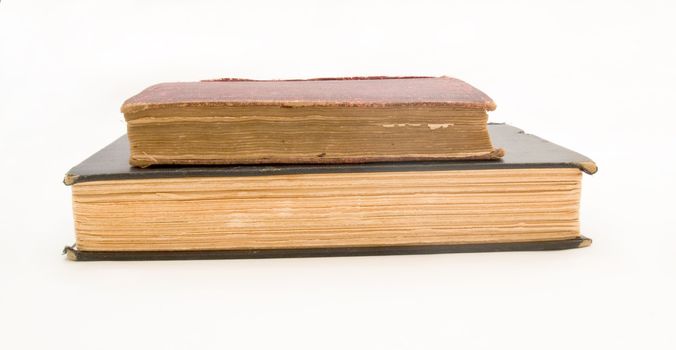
point(597, 77)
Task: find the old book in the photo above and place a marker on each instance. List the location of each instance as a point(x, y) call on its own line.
point(528, 200)
point(338, 120)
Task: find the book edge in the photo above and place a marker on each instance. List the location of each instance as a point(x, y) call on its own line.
point(74, 254)
point(135, 107)
point(494, 154)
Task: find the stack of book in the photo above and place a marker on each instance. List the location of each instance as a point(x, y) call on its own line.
point(236, 168)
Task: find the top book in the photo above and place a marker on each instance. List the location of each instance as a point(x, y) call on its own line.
point(327, 120)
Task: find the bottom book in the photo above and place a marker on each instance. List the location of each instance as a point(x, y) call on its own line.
point(529, 200)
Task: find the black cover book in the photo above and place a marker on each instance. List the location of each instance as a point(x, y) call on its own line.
point(522, 151)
